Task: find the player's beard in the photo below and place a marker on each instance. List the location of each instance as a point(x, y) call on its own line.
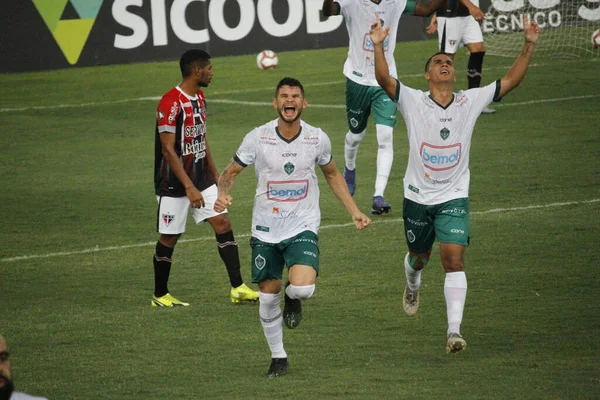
point(202, 83)
point(287, 119)
point(6, 390)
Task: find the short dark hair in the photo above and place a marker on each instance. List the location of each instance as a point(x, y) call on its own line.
point(292, 82)
point(431, 58)
point(190, 58)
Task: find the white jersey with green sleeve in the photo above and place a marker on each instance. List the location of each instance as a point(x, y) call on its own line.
point(440, 141)
point(287, 192)
point(359, 15)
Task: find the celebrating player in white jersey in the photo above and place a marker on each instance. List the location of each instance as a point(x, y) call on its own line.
point(436, 184)
point(363, 94)
point(286, 215)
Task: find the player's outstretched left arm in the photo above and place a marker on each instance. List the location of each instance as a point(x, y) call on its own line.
point(226, 179)
point(382, 72)
point(338, 187)
point(515, 75)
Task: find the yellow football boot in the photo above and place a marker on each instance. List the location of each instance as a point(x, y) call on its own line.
point(167, 301)
point(242, 293)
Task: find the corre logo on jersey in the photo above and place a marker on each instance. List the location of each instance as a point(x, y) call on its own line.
point(286, 191)
point(70, 34)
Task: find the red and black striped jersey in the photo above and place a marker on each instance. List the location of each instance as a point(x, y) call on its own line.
point(185, 117)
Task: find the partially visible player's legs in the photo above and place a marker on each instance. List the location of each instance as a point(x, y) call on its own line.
point(413, 264)
point(301, 286)
point(357, 111)
point(351, 144)
point(171, 218)
point(267, 267)
point(302, 255)
point(384, 113)
point(420, 235)
point(271, 321)
point(227, 245)
point(455, 292)
point(162, 261)
point(452, 230)
point(385, 157)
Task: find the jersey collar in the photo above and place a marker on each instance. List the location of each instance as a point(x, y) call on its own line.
point(441, 106)
point(186, 95)
point(288, 140)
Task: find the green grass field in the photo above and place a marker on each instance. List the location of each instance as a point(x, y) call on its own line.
point(79, 229)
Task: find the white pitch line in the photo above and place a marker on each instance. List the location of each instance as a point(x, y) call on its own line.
point(267, 103)
point(217, 93)
point(243, 235)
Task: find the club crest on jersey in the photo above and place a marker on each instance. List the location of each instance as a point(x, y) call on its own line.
point(444, 133)
point(452, 42)
point(289, 168)
point(167, 219)
point(410, 236)
point(260, 262)
point(353, 122)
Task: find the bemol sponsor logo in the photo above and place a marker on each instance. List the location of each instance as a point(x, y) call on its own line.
point(507, 15)
point(125, 13)
point(440, 158)
point(287, 190)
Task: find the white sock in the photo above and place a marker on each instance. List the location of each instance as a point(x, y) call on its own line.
point(271, 321)
point(351, 148)
point(385, 157)
point(455, 291)
point(300, 292)
point(413, 278)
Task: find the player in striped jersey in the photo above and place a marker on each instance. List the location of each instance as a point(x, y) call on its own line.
point(440, 125)
point(185, 177)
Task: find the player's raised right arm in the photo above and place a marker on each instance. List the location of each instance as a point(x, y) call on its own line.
point(515, 75)
point(225, 184)
point(382, 71)
point(330, 8)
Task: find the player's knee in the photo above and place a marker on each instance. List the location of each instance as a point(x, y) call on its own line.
point(354, 139)
point(417, 263)
point(385, 137)
point(220, 223)
point(302, 292)
point(269, 307)
point(452, 263)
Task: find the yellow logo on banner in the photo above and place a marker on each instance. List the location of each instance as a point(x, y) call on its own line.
point(70, 34)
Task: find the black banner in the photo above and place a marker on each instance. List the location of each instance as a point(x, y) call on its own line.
point(50, 34)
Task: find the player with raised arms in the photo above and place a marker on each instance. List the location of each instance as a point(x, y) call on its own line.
point(440, 125)
point(363, 94)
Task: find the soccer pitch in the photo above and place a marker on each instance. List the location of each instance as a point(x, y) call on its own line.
point(78, 203)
